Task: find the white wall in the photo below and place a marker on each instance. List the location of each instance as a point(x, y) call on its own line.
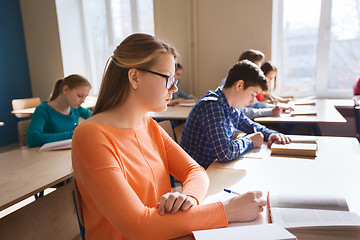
point(211, 34)
point(42, 45)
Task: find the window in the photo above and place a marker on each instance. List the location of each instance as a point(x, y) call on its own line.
point(316, 45)
point(106, 23)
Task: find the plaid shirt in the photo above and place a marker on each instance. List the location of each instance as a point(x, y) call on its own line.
point(209, 129)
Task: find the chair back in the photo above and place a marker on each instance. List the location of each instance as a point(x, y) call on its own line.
point(22, 127)
point(166, 125)
point(178, 130)
point(19, 104)
point(78, 208)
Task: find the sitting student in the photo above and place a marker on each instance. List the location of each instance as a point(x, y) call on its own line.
point(252, 55)
point(356, 88)
point(257, 108)
point(216, 117)
point(56, 120)
point(122, 158)
point(180, 95)
point(270, 72)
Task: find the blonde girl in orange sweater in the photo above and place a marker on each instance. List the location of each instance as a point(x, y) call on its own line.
point(122, 159)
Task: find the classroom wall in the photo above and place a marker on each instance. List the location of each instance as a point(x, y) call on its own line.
point(211, 34)
point(14, 73)
point(42, 45)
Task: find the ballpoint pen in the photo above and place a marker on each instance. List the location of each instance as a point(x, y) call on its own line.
point(229, 191)
point(255, 131)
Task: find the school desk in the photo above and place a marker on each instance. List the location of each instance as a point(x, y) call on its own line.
point(325, 109)
point(172, 112)
point(24, 172)
point(334, 171)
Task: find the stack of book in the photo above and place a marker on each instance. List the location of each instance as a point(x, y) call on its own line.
point(299, 146)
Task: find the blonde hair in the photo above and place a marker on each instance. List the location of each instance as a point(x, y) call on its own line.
point(136, 51)
point(72, 81)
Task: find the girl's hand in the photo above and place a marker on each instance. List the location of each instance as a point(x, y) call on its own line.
point(245, 207)
point(173, 202)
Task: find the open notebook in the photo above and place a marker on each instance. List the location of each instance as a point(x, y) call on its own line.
point(59, 145)
point(251, 232)
point(326, 216)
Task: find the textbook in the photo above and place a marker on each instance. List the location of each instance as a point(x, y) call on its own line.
point(295, 149)
point(303, 139)
point(304, 102)
point(303, 112)
point(250, 232)
point(59, 145)
point(314, 216)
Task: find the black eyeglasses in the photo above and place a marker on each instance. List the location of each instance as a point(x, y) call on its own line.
point(170, 80)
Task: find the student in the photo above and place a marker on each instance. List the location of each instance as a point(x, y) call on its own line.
point(356, 87)
point(257, 108)
point(252, 55)
point(56, 119)
point(122, 158)
point(270, 72)
point(216, 117)
point(180, 95)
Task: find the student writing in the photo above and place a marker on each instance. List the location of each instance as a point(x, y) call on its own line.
point(56, 119)
point(217, 116)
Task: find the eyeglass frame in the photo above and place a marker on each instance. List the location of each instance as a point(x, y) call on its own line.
point(164, 76)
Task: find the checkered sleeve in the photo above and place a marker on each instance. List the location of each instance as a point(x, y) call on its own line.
point(219, 134)
point(247, 125)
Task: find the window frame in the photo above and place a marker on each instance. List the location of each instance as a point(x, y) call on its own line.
point(323, 50)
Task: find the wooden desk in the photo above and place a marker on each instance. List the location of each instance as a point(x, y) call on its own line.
point(89, 103)
point(326, 113)
point(172, 112)
point(335, 170)
point(24, 172)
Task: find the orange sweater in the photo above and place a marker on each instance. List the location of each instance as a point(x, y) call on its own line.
point(122, 174)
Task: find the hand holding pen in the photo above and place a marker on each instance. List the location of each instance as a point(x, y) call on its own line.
point(244, 207)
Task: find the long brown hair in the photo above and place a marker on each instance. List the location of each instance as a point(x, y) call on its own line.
point(266, 68)
point(138, 50)
point(72, 81)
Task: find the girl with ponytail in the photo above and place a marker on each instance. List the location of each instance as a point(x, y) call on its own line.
point(122, 158)
point(56, 119)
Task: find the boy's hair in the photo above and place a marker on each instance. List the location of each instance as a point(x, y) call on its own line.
point(247, 71)
point(252, 55)
point(178, 66)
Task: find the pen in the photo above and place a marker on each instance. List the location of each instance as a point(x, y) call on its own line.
point(229, 191)
point(255, 131)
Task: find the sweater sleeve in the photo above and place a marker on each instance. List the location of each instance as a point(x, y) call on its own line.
point(187, 170)
point(84, 112)
point(105, 183)
point(36, 137)
point(224, 148)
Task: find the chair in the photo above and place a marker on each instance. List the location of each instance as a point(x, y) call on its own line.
point(19, 104)
point(22, 127)
point(166, 125)
point(178, 132)
point(78, 208)
point(357, 115)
